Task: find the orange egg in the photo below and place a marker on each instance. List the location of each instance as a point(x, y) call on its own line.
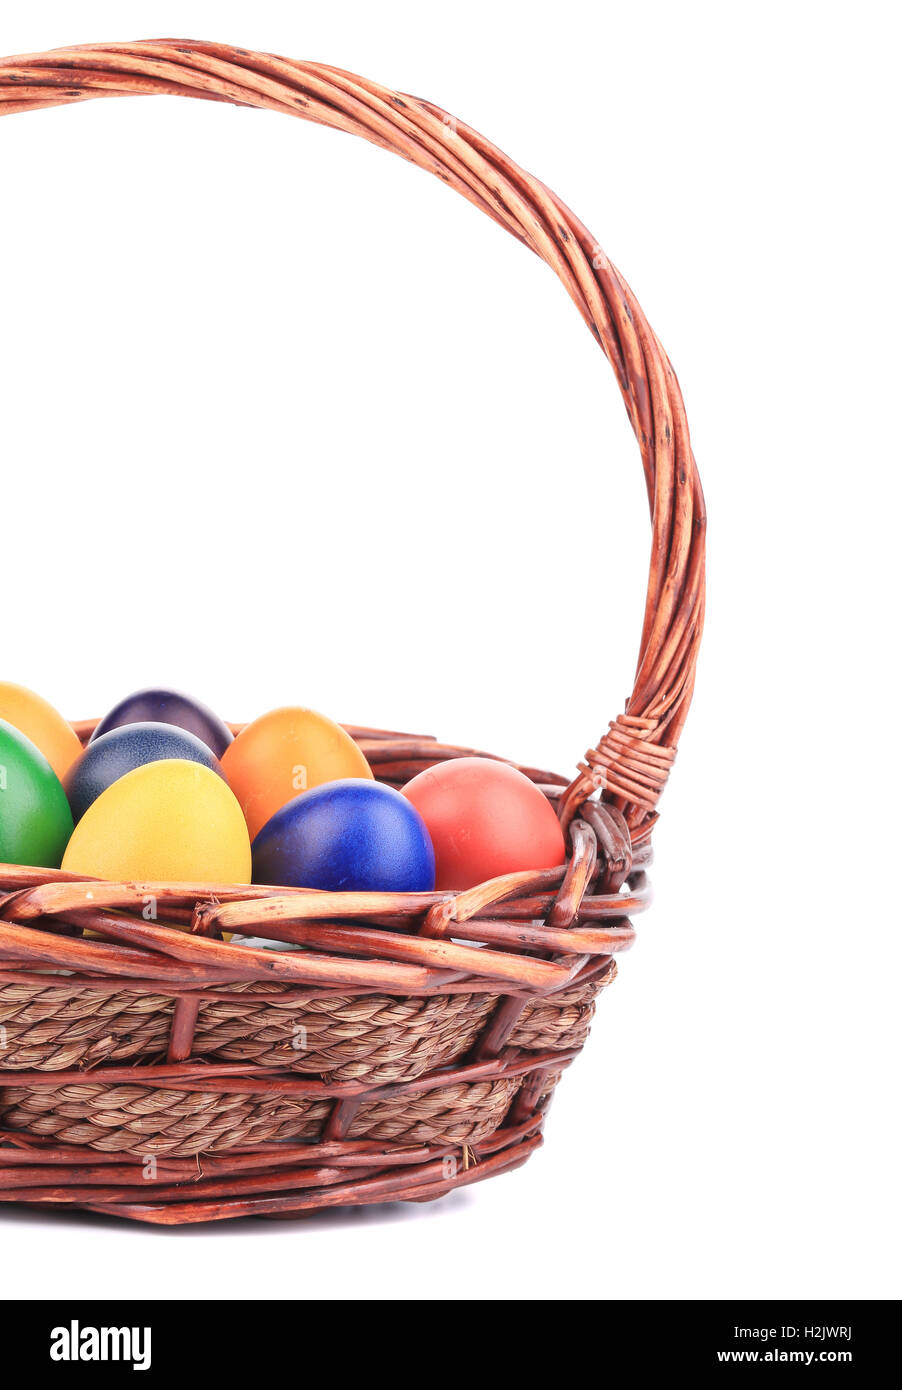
point(284, 753)
point(39, 721)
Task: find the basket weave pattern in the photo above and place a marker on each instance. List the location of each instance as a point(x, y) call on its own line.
point(162, 1073)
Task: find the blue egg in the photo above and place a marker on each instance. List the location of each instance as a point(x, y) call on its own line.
point(111, 756)
point(168, 707)
point(350, 836)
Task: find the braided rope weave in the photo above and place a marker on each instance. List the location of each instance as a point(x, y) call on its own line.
point(435, 1025)
point(140, 1119)
point(367, 1037)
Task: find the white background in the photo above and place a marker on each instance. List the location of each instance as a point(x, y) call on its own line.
point(284, 420)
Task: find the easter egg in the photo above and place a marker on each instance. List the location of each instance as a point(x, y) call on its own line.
point(173, 820)
point(42, 724)
point(351, 836)
point(283, 754)
point(485, 819)
point(120, 751)
point(35, 820)
point(168, 707)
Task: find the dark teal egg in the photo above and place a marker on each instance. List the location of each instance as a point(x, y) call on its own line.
point(113, 754)
point(168, 707)
point(350, 836)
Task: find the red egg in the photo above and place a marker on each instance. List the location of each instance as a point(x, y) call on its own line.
point(485, 819)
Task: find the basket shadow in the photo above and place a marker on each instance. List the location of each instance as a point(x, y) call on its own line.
point(377, 1214)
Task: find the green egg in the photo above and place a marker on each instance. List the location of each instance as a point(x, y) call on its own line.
point(35, 820)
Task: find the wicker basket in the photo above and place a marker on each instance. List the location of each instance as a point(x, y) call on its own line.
point(170, 1076)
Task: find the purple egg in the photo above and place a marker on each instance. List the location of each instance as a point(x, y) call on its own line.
point(168, 707)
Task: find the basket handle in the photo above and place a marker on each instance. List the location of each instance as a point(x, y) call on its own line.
point(631, 762)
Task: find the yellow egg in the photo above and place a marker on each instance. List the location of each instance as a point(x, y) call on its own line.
point(172, 821)
point(39, 721)
point(285, 753)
